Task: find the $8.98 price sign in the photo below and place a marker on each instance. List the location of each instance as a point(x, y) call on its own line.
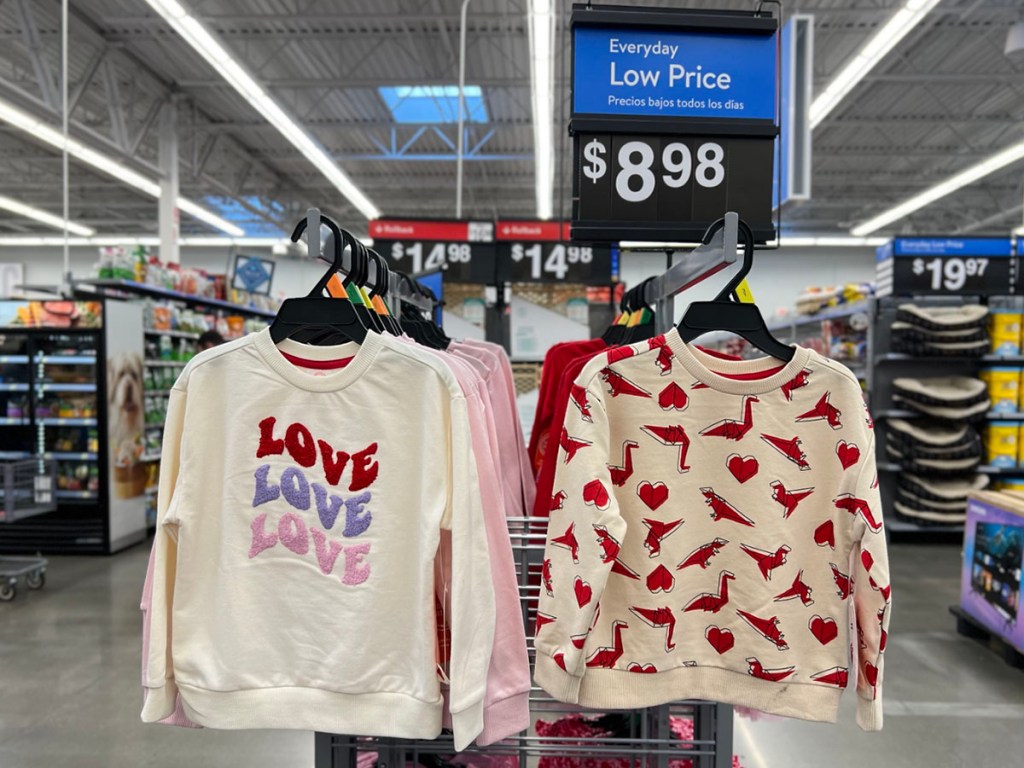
point(658, 181)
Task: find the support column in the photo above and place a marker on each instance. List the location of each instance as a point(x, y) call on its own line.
point(169, 214)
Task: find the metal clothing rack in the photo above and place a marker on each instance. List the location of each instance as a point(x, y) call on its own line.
point(699, 264)
point(648, 744)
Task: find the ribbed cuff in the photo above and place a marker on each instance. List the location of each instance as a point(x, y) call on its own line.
point(158, 703)
point(467, 725)
point(556, 681)
point(869, 712)
point(504, 718)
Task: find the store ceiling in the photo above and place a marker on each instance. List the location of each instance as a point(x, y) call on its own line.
point(945, 98)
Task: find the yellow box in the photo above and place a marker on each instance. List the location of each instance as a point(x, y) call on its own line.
point(1004, 331)
point(1001, 444)
point(1003, 387)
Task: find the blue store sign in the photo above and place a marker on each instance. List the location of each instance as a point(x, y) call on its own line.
point(946, 265)
point(668, 73)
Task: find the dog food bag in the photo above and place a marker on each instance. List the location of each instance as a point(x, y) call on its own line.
point(1001, 444)
point(1003, 387)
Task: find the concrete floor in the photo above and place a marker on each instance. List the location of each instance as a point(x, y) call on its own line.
point(69, 671)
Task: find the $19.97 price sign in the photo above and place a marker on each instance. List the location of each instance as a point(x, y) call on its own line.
point(950, 265)
point(656, 181)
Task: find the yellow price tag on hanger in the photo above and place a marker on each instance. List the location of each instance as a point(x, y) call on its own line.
point(743, 292)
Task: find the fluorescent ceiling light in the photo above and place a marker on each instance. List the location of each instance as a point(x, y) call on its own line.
point(29, 241)
point(969, 176)
point(46, 133)
point(788, 241)
point(218, 57)
point(873, 51)
point(46, 218)
point(541, 26)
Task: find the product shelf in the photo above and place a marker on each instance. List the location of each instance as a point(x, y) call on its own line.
point(154, 363)
point(835, 313)
point(142, 289)
point(173, 334)
point(13, 387)
point(71, 455)
point(43, 388)
point(149, 457)
point(157, 393)
point(7, 421)
point(14, 359)
point(82, 495)
point(68, 359)
point(14, 455)
point(67, 422)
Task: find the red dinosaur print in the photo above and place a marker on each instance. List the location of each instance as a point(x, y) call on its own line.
point(543, 619)
point(766, 628)
point(657, 531)
point(733, 429)
point(622, 569)
point(545, 574)
point(622, 473)
point(620, 385)
point(578, 396)
point(609, 545)
point(702, 555)
point(798, 381)
point(571, 445)
point(767, 561)
point(671, 435)
point(756, 669)
point(788, 499)
point(722, 509)
point(837, 676)
point(698, 385)
point(788, 448)
point(842, 580)
point(568, 541)
point(799, 590)
point(557, 501)
point(855, 506)
point(868, 561)
point(823, 411)
point(606, 657)
point(615, 354)
point(578, 641)
point(659, 618)
point(664, 358)
point(711, 602)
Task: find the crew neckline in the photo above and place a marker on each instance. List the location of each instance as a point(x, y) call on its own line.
point(701, 365)
point(362, 356)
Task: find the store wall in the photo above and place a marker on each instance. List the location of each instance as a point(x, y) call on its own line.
point(43, 265)
point(777, 278)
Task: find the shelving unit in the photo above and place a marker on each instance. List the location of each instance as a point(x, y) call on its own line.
point(166, 363)
point(121, 288)
point(795, 330)
point(190, 335)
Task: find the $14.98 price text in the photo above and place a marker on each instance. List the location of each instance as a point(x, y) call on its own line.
point(558, 261)
point(636, 178)
point(433, 256)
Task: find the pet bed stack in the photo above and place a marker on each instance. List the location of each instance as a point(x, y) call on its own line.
point(941, 331)
point(940, 452)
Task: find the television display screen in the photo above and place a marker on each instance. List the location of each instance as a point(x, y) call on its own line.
point(996, 569)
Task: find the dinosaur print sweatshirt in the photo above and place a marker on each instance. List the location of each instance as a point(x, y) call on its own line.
point(715, 533)
point(293, 566)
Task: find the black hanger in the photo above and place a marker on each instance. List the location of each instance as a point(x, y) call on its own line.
point(316, 318)
point(614, 334)
point(359, 274)
point(380, 286)
point(423, 331)
point(726, 314)
point(645, 330)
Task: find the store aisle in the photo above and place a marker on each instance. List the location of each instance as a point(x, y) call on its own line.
point(69, 659)
point(949, 701)
point(69, 676)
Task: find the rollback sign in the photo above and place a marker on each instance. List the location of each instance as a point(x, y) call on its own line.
point(674, 118)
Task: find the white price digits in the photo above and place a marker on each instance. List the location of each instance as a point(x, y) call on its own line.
point(950, 274)
point(636, 179)
point(558, 260)
point(595, 167)
point(435, 256)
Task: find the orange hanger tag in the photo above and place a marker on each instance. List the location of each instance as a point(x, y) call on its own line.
point(336, 288)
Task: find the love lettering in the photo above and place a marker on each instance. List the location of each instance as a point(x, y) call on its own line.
point(292, 486)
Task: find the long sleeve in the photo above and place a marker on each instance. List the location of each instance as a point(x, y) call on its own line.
point(871, 593)
point(159, 689)
point(472, 615)
point(585, 531)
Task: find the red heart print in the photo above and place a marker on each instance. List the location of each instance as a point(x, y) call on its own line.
point(721, 640)
point(871, 673)
point(583, 592)
point(882, 642)
point(825, 534)
point(673, 397)
point(652, 494)
point(848, 453)
point(560, 660)
point(742, 467)
point(660, 580)
point(578, 641)
point(867, 560)
point(642, 669)
point(595, 494)
point(825, 630)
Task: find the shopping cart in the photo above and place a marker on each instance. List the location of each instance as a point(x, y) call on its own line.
point(27, 487)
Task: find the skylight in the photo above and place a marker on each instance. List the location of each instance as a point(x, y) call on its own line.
point(433, 103)
point(233, 211)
